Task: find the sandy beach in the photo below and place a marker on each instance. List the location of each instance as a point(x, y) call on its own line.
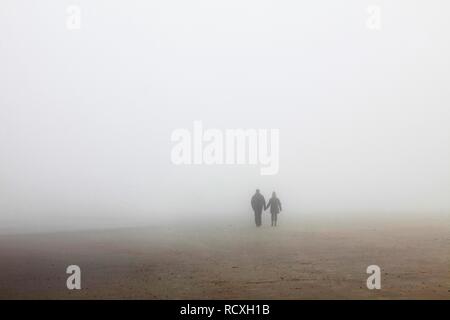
point(301, 259)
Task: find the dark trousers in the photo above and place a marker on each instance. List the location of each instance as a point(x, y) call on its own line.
point(258, 214)
point(274, 219)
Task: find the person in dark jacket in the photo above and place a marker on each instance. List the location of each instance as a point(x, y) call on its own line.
point(258, 204)
point(275, 208)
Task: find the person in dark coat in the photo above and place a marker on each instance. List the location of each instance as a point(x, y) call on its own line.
point(258, 204)
point(275, 208)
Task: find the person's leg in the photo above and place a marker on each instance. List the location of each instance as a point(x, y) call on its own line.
point(258, 218)
point(271, 216)
point(275, 219)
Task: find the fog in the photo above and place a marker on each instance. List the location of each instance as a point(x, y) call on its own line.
point(86, 116)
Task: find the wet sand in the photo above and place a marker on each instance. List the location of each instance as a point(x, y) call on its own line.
point(302, 259)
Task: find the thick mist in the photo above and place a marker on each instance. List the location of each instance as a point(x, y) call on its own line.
point(86, 116)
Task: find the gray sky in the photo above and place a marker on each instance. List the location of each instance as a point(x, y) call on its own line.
point(86, 115)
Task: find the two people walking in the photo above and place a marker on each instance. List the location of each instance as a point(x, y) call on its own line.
point(259, 204)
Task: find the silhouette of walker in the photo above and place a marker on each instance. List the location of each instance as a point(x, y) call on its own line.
point(275, 208)
point(258, 204)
